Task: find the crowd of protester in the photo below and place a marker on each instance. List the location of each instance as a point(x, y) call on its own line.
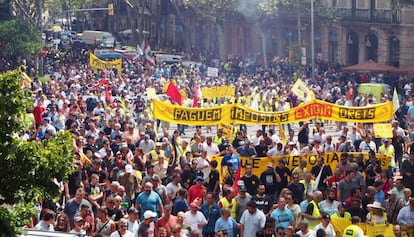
point(136, 178)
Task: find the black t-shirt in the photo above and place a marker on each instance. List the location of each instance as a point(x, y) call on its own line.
point(251, 184)
point(214, 178)
point(115, 214)
point(398, 143)
point(303, 136)
point(74, 181)
point(284, 174)
point(263, 203)
point(297, 191)
point(261, 150)
point(236, 142)
point(268, 179)
point(102, 174)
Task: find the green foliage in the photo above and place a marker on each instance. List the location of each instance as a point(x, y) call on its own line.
point(28, 168)
point(269, 6)
point(303, 7)
point(216, 10)
point(18, 38)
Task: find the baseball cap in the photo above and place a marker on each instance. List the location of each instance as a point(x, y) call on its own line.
point(326, 216)
point(199, 178)
point(194, 204)
point(242, 188)
point(149, 214)
point(282, 160)
point(292, 143)
point(78, 218)
point(133, 210)
point(392, 191)
point(270, 165)
point(128, 169)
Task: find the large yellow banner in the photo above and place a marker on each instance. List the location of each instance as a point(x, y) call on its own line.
point(340, 224)
point(332, 158)
point(234, 113)
point(97, 63)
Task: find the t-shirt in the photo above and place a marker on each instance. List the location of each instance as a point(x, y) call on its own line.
point(146, 230)
point(179, 205)
point(214, 177)
point(242, 205)
point(251, 184)
point(172, 188)
point(252, 222)
point(329, 230)
point(283, 217)
point(194, 219)
point(263, 203)
point(329, 207)
point(148, 202)
point(232, 160)
point(345, 188)
point(228, 225)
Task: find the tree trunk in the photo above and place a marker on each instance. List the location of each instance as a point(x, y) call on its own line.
point(299, 25)
point(221, 44)
point(263, 37)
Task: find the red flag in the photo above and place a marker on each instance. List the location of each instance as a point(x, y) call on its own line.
point(236, 180)
point(108, 97)
point(101, 83)
point(174, 93)
point(197, 95)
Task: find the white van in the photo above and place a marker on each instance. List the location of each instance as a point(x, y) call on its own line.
point(168, 58)
point(102, 38)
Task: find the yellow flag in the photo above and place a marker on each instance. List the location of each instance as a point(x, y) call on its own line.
point(26, 80)
point(282, 133)
point(395, 101)
point(299, 89)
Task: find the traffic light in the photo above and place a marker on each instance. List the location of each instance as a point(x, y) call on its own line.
point(111, 9)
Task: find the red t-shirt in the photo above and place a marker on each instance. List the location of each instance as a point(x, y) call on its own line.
point(196, 191)
point(166, 223)
point(37, 113)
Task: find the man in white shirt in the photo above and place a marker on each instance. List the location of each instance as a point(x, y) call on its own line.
point(368, 145)
point(252, 220)
point(195, 219)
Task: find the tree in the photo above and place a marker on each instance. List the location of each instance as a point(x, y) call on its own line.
point(18, 38)
point(28, 168)
point(5, 13)
point(216, 11)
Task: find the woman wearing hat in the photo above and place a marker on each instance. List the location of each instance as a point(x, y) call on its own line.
point(377, 215)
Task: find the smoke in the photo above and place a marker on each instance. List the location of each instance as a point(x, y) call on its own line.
point(248, 8)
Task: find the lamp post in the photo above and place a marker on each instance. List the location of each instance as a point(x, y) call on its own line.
point(312, 44)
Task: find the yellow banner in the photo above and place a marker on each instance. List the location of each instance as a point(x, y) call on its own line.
point(217, 91)
point(379, 229)
point(235, 113)
point(227, 130)
point(382, 130)
point(340, 224)
point(299, 89)
point(97, 63)
point(332, 158)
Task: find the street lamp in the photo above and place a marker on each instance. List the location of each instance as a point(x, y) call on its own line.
point(312, 44)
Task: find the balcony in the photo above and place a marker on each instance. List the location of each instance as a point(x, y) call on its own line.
point(367, 15)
